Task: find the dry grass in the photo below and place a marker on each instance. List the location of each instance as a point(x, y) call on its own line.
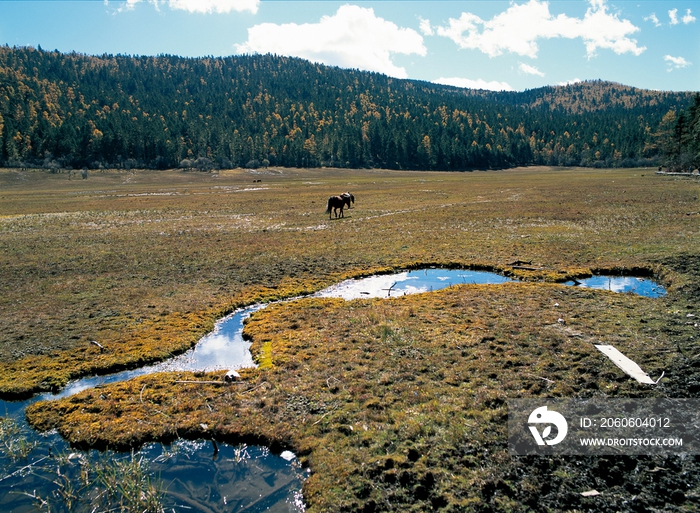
point(394, 405)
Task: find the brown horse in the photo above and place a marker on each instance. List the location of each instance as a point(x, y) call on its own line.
point(335, 203)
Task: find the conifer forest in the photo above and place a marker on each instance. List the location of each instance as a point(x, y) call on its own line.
point(61, 111)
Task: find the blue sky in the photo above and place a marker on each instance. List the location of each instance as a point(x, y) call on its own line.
point(490, 44)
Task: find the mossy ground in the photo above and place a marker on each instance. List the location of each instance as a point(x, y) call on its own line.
point(394, 405)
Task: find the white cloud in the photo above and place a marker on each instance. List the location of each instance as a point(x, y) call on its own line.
point(652, 18)
point(676, 62)
point(521, 26)
point(217, 6)
point(425, 28)
point(530, 70)
point(128, 5)
point(673, 15)
point(474, 84)
point(354, 37)
point(598, 29)
point(570, 82)
point(688, 18)
point(199, 6)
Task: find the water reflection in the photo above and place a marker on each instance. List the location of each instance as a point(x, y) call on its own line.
point(225, 349)
point(222, 349)
point(234, 478)
point(409, 282)
point(622, 284)
point(192, 475)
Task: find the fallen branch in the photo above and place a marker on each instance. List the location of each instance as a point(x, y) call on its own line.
point(335, 381)
point(191, 502)
point(627, 365)
point(102, 348)
point(520, 262)
point(266, 501)
point(321, 417)
point(543, 379)
point(255, 388)
point(389, 289)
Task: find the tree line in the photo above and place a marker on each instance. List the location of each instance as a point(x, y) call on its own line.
point(678, 137)
point(61, 110)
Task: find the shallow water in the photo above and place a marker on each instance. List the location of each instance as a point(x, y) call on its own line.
point(222, 349)
point(235, 477)
point(409, 282)
point(194, 476)
point(623, 284)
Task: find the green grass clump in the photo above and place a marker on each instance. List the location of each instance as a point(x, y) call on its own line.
point(119, 483)
point(14, 443)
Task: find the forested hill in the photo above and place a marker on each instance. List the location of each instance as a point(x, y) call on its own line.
point(61, 110)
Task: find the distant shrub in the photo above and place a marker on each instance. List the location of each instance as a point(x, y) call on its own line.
point(203, 164)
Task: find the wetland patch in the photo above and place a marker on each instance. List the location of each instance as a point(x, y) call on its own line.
point(225, 348)
point(234, 474)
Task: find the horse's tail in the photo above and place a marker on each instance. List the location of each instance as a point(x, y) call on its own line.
point(328, 207)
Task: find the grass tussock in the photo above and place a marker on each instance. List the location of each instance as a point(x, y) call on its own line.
point(119, 483)
point(15, 444)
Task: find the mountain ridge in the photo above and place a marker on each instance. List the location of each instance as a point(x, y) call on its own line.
point(77, 110)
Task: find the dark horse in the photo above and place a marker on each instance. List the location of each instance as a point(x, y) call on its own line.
point(348, 198)
point(335, 203)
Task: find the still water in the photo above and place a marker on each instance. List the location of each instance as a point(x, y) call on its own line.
point(222, 349)
point(203, 475)
point(409, 282)
point(623, 284)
